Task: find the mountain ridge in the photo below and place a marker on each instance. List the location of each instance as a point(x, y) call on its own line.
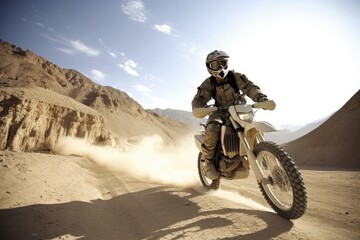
point(280, 137)
point(125, 118)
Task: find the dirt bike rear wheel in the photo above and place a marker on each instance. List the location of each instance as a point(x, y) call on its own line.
point(206, 182)
point(284, 188)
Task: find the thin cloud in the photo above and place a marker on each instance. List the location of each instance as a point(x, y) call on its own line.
point(166, 29)
point(111, 53)
point(97, 75)
point(72, 46)
point(135, 9)
point(67, 51)
point(152, 78)
point(40, 24)
point(142, 89)
point(83, 48)
point(190, 51)
point(130, 67)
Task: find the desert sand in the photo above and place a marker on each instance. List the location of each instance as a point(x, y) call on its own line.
point(151, 191)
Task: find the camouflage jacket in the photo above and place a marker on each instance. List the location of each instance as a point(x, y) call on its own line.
point(225, 94)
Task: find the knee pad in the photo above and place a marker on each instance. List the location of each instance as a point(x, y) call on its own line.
point(215, 122)
point(213, 127)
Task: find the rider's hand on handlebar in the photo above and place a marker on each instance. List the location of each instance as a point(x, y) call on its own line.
point(263, 99)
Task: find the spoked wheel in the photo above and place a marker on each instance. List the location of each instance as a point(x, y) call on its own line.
point(283, 186)
point(207, 183)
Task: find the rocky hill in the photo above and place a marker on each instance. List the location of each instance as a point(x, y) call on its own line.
point(41, 102)
point(334, 144)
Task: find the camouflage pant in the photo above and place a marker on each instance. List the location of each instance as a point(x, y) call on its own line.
point(212, 134)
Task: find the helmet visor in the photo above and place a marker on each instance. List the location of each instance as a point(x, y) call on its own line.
point(217, 64)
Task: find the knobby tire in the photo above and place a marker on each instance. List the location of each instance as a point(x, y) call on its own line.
point(297, 184)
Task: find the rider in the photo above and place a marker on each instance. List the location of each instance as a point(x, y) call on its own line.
point(219, 86)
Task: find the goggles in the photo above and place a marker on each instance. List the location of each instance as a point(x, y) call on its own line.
point(217, 64)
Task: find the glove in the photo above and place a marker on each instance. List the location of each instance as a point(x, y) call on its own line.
point(263, 99)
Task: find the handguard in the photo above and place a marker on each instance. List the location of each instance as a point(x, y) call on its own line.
point(203, 112)
point(268, 105)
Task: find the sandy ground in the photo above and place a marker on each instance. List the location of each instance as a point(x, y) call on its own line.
point(48, 196)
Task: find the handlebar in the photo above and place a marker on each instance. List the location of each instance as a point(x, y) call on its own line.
point(203, 112)
point(267, 105)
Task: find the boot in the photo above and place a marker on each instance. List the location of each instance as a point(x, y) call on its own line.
point(210, 170)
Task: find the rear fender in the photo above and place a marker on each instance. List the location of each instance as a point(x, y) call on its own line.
point(199, 140)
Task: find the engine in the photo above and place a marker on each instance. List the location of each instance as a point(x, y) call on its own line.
point(230, 163)
point(227, 165)
point(234, 168)
point(230, 142)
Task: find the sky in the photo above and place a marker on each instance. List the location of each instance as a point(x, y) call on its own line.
point(304, 55)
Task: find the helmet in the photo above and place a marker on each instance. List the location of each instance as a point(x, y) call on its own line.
point(216, 63)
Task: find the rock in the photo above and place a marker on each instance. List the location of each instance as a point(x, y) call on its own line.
point(31, 124)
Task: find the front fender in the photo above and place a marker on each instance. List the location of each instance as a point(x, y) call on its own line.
point(260, 127)
point(255, 128)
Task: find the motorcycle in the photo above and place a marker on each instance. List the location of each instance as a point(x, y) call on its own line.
point(242, 148)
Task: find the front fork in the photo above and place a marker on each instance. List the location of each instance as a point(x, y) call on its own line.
point(249, 151)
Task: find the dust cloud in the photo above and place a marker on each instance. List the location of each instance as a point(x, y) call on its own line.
point(152, 160)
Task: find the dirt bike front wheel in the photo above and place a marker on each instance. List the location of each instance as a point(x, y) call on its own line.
point(206, 182)
point(284, 188)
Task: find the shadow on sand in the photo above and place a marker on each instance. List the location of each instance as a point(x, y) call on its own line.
point(150, 214)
